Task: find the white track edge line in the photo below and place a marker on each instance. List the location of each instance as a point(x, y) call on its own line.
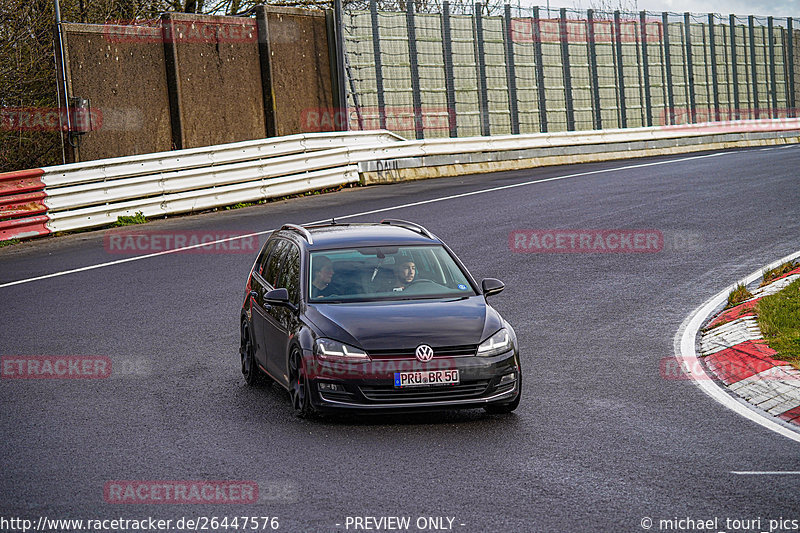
point(684, 346)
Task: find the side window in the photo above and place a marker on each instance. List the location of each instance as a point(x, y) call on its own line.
point(276, 257)
point(262, 257)
point(289, 276)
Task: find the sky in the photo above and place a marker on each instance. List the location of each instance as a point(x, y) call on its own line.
point(776, 8)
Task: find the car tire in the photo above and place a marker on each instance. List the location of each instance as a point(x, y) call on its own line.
point(299, 389)
point(250, 371)
point(505, 408)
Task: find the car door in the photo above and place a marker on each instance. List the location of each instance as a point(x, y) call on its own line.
point(264, 281)
point(281, 320)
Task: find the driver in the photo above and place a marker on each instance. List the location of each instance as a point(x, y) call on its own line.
point(321, 275)
point(404, 274)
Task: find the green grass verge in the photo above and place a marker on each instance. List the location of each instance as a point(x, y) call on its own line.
point(738, 295)
point(138, 218)
point(779, 319)
point(771, 274)
point(9, 242)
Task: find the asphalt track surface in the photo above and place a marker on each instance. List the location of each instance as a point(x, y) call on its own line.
point(601, 439)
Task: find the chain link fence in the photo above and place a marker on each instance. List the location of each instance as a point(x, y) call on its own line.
point(439, 70)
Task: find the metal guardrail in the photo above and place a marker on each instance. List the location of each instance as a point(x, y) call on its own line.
point(93, 194)
point(21, 204)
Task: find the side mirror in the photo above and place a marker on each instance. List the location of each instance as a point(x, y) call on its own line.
point(492, 286)
point(279, 297)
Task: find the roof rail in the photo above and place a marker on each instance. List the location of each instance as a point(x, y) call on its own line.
point(301, 230)
point(408, 225)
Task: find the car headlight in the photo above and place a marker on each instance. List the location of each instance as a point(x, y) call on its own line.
point(498, 343)
point(331, 349)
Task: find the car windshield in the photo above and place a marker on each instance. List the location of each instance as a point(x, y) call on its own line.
point(385, 273)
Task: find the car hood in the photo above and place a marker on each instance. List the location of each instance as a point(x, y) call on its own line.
point(403, 324)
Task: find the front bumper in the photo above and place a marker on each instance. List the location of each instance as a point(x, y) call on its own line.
point(370, 386)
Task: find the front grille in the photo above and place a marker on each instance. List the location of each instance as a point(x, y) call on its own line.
point(410, 353)
point(389, 394)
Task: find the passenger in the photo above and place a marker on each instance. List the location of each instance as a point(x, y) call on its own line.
point(404, 272)
point(321, 275)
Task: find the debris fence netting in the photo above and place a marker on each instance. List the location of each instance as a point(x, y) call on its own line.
point(454, 70)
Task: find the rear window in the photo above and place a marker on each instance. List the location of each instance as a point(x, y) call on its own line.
point(385, 273)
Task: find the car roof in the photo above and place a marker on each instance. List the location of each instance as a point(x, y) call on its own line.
point(336, 235)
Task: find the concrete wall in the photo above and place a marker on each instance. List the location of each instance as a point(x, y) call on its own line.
point(125, 82)
point(300, 66)
point(186, 81)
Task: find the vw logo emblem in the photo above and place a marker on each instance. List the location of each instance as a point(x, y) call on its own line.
point(424, 353)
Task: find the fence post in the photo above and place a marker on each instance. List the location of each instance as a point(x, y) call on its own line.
point(623, 115)
point(267, 94)
point(752, 33)
point(565, 69)
point(483, 100)
point(790, 61)
point(773, 84)
point(449, 79)
point(714, 82)
point(646, 68)
point(537, 50)
point(416, 94)
point(596, 111)
point(376, 51)
point(173, 83)
point(340, 66)
point(668, 67)
point(734, 69)
point(511, 72)
point(687, 27)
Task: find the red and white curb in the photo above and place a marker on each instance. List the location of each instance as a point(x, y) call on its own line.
point(740, 358)
point(738, 368)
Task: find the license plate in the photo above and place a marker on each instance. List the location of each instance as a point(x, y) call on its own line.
point(424, 378)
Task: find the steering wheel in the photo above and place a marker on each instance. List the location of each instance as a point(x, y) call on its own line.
point(421, 286)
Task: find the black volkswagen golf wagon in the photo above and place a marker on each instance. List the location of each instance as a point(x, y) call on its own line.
point(375, 317)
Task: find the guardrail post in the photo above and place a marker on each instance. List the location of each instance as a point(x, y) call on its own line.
point(623, 115)
point(714, 82)
point(734, 69)
point(564, 34)
point(511, 72)
point(752, 34)
point(416, 94)
point(773, 84)
point(537, 51)
point(595, 85)
point(376, 51)
point(646, 69)
point(480, 60)
point(449, 78)
point(670, 116)
point(792, 102)
point(687, 27)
